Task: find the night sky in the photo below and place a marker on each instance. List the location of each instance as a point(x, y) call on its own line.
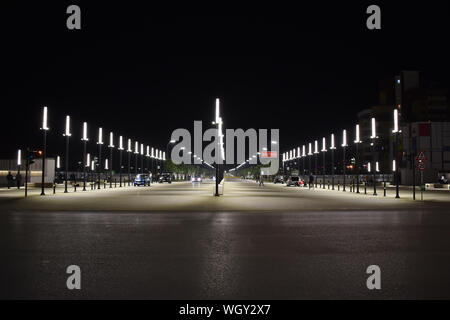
point(145, 71)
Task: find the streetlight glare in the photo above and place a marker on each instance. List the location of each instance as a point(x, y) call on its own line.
point(310, 149)
point(344, 138)
point(316, 146)
point(100, 136)
point(111, 140)
point(88, 160)
point(303, 151)
point(324, 144)
point(19, 157)
point(85, 135)
point(136, 147)
point(120, 143)
point(129, 145)
point(67, 131)
point(357, 138)
point(374, 130)
point(333, 146)
point(395, 121)
point(393, 165)
point(58, 162)
point(44, 119)
point(106, 164)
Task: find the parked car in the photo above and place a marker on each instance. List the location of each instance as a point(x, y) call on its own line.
point(278, 179)
point(295, 181)
point(165, 177)
point(141, 180)
point(196, 179)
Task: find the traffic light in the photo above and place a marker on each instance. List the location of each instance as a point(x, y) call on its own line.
point(33, 154)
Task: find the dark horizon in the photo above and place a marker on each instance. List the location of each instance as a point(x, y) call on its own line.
point(143, 74)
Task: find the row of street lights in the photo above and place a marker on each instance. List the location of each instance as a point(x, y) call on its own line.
point(301, 153)
point(156, 154)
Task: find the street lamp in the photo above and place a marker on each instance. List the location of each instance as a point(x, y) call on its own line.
point(142, 158)
point(373, 137)
point(67, 134)
point(344, 145)
point(120, 160)
point(111, 148)
point(303, 158)
point(357, 142)
point(396, 132)
point(324, 150)
point(100, 143)
point(152, 156)
point(129, 160)
point(147, 157)
point(310, 154)
point(85, 164)
point(44, 128)
point(332, 148)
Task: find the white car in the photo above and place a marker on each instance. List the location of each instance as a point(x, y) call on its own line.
point(196, 179)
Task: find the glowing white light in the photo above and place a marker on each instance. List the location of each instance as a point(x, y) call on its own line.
point(120, 143)
point(316, 146)
point(148, 151)
point(106, 164)
point(85, 136)
point(274, 142)
point(19, 157)
point(67, 132)
point(303, 151)
point(357, 140)
point(136, 147)
point(344, 138)
point(333, 146)
point(129, 146)
point(44, 119)
point(377, 167)
point(324, 145)
point(298, 153)
point(58, 162)
point(368, 167)
point(393, 165)
point(153, 154)
point(93, 165)
point(374, 130)
point(142, 149)
point(100, 136)
point(395, 121)
point(217, 110)
point(88, 160)
point(310, 149)
point(111, 140)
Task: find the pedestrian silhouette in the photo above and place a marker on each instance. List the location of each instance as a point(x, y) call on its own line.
point(9, 178)
point(311, 181)
point(18, 180)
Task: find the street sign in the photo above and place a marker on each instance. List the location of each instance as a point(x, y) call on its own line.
point(421, 165)
point(421, 156)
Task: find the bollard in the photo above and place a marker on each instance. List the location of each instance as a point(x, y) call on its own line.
point(104, 184)
point(115, 183)
point(328, 183)
point(92, 186)
point(54, 188)
point(384, 189)
point(353, 185)
point(365, 187)
point(339, 186)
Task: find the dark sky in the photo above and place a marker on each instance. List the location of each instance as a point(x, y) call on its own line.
point(144, 71)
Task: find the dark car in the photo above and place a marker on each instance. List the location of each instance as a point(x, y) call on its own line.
point(278, 179)
point(165, 177)
point(141, 180)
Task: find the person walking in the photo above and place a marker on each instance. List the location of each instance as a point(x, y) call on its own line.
point(18, 180)
point(261, 181)
point(311, 181)
point(9, 179)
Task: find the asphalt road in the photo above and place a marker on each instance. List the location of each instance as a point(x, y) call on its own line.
point(179, 242)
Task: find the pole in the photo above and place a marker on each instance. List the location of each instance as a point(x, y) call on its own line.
point(397, 178)
point(120, 169)
point(343, 166)
point(421, 185)
point(67, 164)
point(332, 169)
point(129, 160)
point(374, 169)
point(110, 166)
point(84, 166)
point(414, 175)
point(357, 167)
point(44, 155)
point(323, 171)
point(27, 165)
point(99, 164)
point(142, 163)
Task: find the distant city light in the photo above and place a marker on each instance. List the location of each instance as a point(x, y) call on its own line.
point(19, 157)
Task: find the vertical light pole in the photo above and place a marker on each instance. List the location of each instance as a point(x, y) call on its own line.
point(310, 155)
point(316, 152)
point(100, 143)
point(147, 158)
point(167, 151)
point(357, 142)
point(324, 150)
point(111, 148)
point(157, 161)
point(332, 148)
point(373, 137)
point(396, 132)
point(299, 155)
point(120, 160)
point(152, 158)
point(136, 153)
point(344, 146)
point(19, 164)
point(129, 160)
point(303, 158)
point(142, 158)
point(85, 164)
point(44, 151)
point(67, 134)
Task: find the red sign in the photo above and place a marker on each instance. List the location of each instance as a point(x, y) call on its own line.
point(421, 165)
point(421, 157)
point(269, 154)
